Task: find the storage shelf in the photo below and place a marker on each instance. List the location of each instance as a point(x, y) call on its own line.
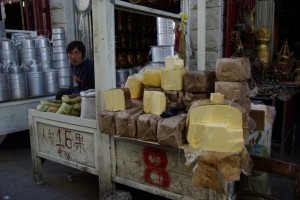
point(129, 7)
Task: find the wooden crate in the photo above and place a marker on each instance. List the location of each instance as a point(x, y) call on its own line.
point(68, 140)
point(157, 169)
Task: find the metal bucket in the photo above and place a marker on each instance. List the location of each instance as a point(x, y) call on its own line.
point(4, 88)
point(59, 56)
point(159, 53)
point(65, 81)
point(46, 64)
point(36, 83)
point(8, 55)
point(7, 44)
point(61, 63)
point(64, 71)
point(58, 36)
point(165, 31)
point(51, 81)
point(42, 41)
point(60, 49)
point(58, 30)
point(122, 75)
point(18, 37)
point(27, 43)
point(18, 85)
point(59, 43)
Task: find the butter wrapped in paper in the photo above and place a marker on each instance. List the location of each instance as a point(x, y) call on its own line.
point(147, 127)
point(107, 123)
point(199, 81)
point(189, 98)
point(232, 90)
point(172, 131)
point(233, 69)
point(215, 169)
point(126, 122)
point(174, 98)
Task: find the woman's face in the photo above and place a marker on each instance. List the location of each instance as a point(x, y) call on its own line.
point(75, 57)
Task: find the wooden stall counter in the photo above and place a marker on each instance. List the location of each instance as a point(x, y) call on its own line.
point(68, 140)
point(153, 168)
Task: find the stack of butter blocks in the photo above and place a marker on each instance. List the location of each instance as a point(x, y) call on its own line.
point(232, 75)
point(197, 86)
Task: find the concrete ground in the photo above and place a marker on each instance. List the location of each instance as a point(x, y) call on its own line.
point(66, 183)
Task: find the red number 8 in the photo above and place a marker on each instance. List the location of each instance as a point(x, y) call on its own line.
point(156, 161)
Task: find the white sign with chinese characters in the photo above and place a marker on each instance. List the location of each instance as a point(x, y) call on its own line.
point(68, 144)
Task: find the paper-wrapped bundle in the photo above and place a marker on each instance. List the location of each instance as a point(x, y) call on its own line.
point(117, 99)
point(189, 98)
point(174, 98)
point(172, 131)
point(245, 103)
point(232, 90)
point(199, 81)
point(233, 69)
point(148, 88)
point(126, 122)
point(107, 123)
point(137, 102)
point(147, 127)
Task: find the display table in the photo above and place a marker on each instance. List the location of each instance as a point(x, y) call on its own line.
point(68, 140)
point(151, 167)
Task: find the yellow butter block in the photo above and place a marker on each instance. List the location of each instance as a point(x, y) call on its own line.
point(135, 86)
point(216, 97)
point(216, 128)
point(117, 99)
point(154, 102)
point(152, 77)
point(172, 79)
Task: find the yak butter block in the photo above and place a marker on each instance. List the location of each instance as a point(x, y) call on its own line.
point(216, 97)
point(154, 102)
point(135, 86)
point(152, 76)
point(199, 81)
point(174, 62)
point(172, 79)
point(216, 128)
point(232, 90)
point(126, 122)
point(147, 127)
point(233, 69)
point(107, 122)
point(172, 131)
point(117, 99)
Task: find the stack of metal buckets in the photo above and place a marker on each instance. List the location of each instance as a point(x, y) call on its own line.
point(31, 67)
point(60, 60)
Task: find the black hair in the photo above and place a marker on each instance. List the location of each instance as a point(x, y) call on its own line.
point(76, 44)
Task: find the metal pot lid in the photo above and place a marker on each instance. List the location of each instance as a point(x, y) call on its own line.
point(84, 6)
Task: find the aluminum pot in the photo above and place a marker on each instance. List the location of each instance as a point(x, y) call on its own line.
point(59, 50)
point(59, 56)
point(59, 43)
point(28, 43)
point(58, 36)
point(159, 53)
point(58, 30)
point(42, 41)
point(7, 44)
point(61, 63)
